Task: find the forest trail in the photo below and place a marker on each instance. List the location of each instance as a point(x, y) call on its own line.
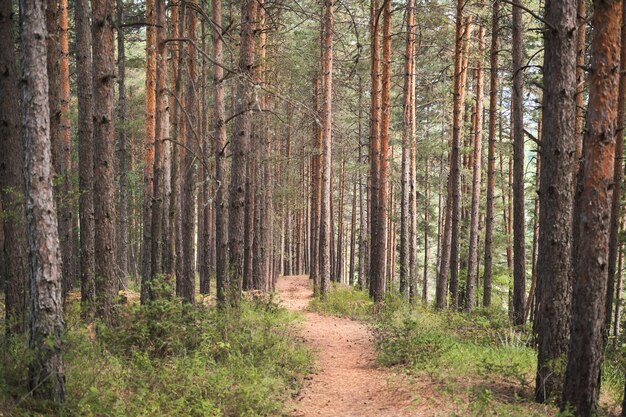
point(346, 381)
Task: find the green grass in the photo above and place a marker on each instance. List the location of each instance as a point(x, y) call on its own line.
point(344, 302)
point(170, 359)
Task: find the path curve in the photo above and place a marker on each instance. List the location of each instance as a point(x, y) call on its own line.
point(347, 382)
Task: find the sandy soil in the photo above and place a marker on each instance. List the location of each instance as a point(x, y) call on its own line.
point(347, 381)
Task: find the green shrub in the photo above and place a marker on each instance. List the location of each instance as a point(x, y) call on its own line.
point(170, 359)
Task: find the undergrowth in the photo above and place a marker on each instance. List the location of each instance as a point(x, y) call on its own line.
point(344, 302)
point(476, 364)
point(169, 359)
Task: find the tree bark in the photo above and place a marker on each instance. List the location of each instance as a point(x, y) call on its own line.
point(86, 156)
point(219, 145)
point(62, 153)
point(352, 234)
point(326, 184)
point(156, 216)
point(472, 259)
point(148, 169)
point(408, 126)
point(376, 266)
point(104, 154)
point(556, 193)
point(618, 175)
point(452, 229)
point(46, 326)
point(491, 153)
point(519, 250)
point(122, 145)
point(240, 145)
point(189, 166)
point(14, 257)
point(582, 382)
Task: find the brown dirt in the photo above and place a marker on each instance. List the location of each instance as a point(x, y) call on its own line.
point(347, 381)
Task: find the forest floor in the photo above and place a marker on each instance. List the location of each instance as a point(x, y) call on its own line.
point(346, 381)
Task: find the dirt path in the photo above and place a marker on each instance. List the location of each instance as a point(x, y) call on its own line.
point(347, 382)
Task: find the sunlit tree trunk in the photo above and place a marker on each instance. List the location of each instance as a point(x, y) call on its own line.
point(618, 174)
point(582, 382)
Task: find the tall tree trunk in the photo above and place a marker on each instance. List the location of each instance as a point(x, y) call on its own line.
point(618, 289)
point(618, 175)
point(326, 184)
point(46, 373)
point(316, 195)
point(14, 256)
point(169, 251)
point(352, 234)
point(339, 257)
point(177, 163)
point(189, 166)
point(219, 145)
point(375, 274)
point(519, 250)
point(531, 300)
point(582, 382)
point(148, 169)
point(86, 156)
point(363, 232)
point(408, 123)
point(426, 231)
point(472, 259)
point(556, 195)
point(122, 146)
point(450, 251)
point(156, 216)
point(62, 156)
point(240, 145)
point(54, 103)
point(104, 154)
point(204, 212)
point(458, 213)
point(491, 153)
